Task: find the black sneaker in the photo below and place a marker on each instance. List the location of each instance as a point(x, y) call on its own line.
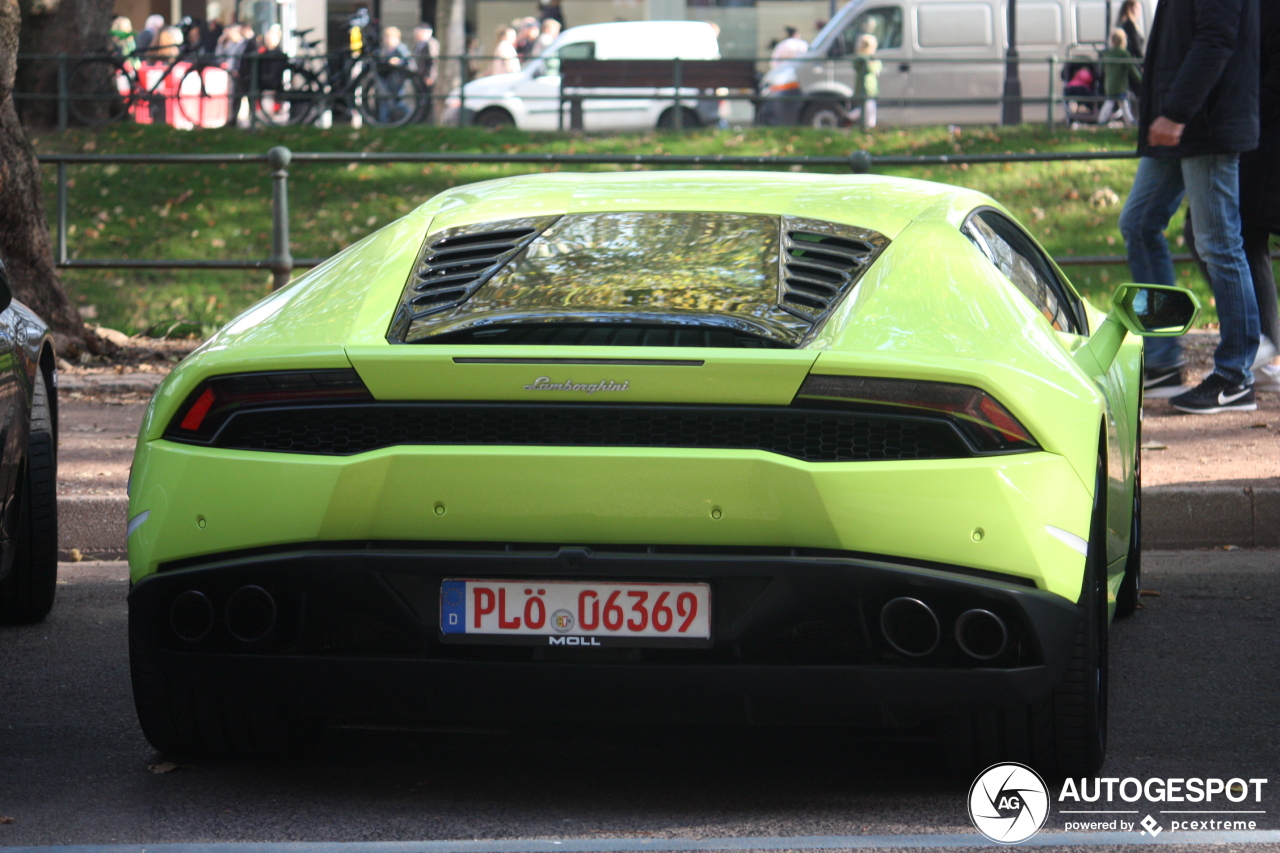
point(1163, 382)
point(1214, 395)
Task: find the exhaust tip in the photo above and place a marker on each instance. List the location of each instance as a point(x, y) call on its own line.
point(981, 634)
point(191, 616)
point(251, 614)
point(910, 627)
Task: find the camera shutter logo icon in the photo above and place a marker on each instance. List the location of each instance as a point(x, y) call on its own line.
point(1008, 803)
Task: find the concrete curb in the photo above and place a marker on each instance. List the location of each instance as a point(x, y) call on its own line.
point(1174, 518)
point(93, 525)
point(1209, 516)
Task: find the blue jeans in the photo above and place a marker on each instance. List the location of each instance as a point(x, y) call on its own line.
point(1212, 186)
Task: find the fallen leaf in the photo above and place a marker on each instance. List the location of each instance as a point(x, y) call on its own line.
point(1259, 426)
point(7, 819)
point(1103, 197)
point(1149, 593)
point(1154, 445)
point(1231, 547)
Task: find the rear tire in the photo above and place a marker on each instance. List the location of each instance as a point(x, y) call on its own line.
point(389, 95)
point(93, 96)
point(194, 717)
point(824, 115)
point(1065, 735)
point(296, 102)
point(689, 118)
point(494, 118)
point(27, 593)
point(195, 113)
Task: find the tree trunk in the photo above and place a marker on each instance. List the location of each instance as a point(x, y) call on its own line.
point(24, 231)
point(451, 20)
point(73, 27)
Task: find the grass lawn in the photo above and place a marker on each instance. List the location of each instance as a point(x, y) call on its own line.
point(223, 211)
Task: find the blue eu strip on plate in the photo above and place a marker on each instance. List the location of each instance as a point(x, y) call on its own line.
point(453, 607)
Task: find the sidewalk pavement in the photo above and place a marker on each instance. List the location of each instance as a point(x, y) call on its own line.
point(1209, 481)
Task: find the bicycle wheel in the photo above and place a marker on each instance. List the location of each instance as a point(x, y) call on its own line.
point(99, 91)
point(388, 95)
point(204, 96)
point(296, 101)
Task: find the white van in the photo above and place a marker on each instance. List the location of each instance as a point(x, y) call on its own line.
point(530, 98)
point(936, 49)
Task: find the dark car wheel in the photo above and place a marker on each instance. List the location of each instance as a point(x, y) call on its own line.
point(689, 119)
point(26, 593)
point(825, 115)
point(199, 718)
point(204, 716)
point(1066, 735)
point(495, 119)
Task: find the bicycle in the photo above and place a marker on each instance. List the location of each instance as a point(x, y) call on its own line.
point(383, 93)
point(111, 86)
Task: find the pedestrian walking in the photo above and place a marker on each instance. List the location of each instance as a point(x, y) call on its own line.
point(1260, 204)
point(550, 32)
point(1119, 74)
point(150, 29)
point(866, 80)
point(122, 41)
point(789, 48)
point(504, 58)
point(1129, 19)
point(426, 60)
point(1260, 196)
point(1199, 112)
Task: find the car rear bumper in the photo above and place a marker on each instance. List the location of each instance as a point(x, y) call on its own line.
point(797, 639)
point(1004, 514)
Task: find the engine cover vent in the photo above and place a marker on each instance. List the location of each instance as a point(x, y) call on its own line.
point(820, 262)
point(455, 262)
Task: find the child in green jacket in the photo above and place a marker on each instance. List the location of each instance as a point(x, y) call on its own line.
point(866, 80)
point(1118, 70)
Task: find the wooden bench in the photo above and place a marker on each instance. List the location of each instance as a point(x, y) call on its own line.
point(582, 78)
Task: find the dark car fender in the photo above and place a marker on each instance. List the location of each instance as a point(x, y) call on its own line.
point(34, 348)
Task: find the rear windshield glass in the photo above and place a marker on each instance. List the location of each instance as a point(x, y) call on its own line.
point(713, 264)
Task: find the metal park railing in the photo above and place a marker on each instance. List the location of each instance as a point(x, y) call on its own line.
point(281, 262)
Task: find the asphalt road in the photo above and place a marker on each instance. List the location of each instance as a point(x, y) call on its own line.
point(1195, 693)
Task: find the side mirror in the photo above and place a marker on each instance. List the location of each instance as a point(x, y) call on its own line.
point(6, 295)
point(1155, 310)
point(1151, 310)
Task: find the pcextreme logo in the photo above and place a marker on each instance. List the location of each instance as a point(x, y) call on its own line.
point(1008, 803)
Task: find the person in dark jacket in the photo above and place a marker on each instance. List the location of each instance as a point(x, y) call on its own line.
point(1129, 19)
point(1260, 191)
point(1198, 113)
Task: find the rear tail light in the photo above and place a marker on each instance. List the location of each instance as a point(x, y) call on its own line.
point(986, 425)
point(217, 399)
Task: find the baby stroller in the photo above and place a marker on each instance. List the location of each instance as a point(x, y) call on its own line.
point(1082, 92)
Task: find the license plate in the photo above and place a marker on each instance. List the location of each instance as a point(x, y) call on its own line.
point(575, 613)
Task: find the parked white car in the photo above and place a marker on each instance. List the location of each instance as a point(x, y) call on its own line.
point(530, 98)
